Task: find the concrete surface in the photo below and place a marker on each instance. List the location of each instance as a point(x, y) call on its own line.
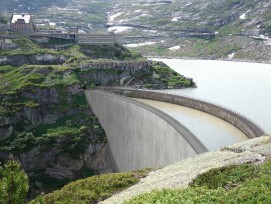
point(141, 136)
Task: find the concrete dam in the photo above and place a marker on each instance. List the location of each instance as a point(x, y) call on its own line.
point(142, 136)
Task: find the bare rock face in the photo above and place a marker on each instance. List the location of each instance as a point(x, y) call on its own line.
point(73, 164)
point(36, 158)
point(5, 133)
point(60, 173)
point(6, 128)
point(95, 157)
point(60, 166)
point(33, 116)
point(43, 95)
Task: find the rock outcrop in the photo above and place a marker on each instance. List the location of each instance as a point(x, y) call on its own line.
point(18, 60)
point(179, 175)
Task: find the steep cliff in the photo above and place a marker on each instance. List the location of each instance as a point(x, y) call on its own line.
point(45, 121)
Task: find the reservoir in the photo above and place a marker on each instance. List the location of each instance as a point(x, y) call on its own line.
point(241, 86)
point(213, 132)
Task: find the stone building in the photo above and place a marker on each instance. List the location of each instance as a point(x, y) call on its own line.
point(22, 23)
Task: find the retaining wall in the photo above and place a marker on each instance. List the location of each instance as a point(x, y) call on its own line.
point(127, 66)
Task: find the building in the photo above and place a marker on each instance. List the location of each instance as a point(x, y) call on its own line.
point(22, 23)
point(91, 39)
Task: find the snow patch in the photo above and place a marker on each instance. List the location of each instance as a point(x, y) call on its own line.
point(175, 19)
point(119, 29)
point(187, 4)
point(140, 44)
point(112, 17)
point(52, 24)
point(66, 9)
point(174, 48)
point(230, 56)
point(144, 14)
point(268, 42)
point(154, 4)
point(243, 16)
point(262, 37)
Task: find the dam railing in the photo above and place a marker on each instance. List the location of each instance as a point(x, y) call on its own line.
point(243, 123)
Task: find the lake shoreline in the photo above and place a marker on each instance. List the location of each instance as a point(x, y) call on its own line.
point(231, 84)
point(198, 59)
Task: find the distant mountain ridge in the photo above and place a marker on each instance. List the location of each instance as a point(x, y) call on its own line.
point(240, 29)
point(206, 29)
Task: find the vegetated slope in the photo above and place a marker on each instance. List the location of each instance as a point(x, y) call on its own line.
point(93, 189)
point(45, 121)
point(236, 174)
point(225, 29)
point(84, 14)
point(246, 183)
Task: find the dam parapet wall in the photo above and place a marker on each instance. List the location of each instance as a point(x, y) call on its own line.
point(246, 125)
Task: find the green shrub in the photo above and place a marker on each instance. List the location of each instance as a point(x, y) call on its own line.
point(226, 176)
point(92, 189)
point(228, 185)
point(13, 183)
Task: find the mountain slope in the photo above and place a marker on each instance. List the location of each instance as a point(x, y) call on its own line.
point(222, 29)
point(206, 29)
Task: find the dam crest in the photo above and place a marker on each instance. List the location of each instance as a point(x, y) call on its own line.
point(141, 136)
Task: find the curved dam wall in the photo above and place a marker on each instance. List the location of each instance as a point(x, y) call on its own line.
point(140, 136)
point(247, 126)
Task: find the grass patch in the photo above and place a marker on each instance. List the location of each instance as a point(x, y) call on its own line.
point(246, 183)
point(170, 77)
point(93, 189)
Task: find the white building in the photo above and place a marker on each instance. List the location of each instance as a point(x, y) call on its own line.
point(22, 23)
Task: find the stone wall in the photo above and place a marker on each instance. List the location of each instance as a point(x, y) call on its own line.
point(128, 66)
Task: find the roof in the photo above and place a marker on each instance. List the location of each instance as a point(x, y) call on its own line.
point(21, 17)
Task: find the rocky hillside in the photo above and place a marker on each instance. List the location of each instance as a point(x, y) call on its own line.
point(206, 29)
point(87, 15)
point(45, 121)
point(224, 29)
